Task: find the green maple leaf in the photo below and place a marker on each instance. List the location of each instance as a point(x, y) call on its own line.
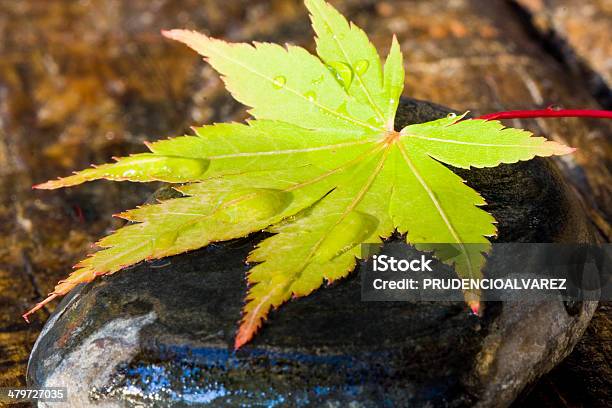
point(320, 166)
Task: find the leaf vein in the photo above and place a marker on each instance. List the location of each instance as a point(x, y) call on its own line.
point(437, 204)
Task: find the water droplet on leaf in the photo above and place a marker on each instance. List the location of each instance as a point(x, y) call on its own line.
point(279, 82)
point(179, 168)
point(361, 67)
point(253, 204)
point(354, 229)
point(146, 166)
point(311, 96)
point(375, 121)
point(343, 73)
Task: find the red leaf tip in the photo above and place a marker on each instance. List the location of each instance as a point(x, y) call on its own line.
point(246, 333)
point(474, 307)
point(241, 339)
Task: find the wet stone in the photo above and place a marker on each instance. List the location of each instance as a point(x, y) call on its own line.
point(161, 333)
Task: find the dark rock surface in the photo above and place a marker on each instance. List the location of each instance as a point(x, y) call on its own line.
point(161, 333)
point(584, 378)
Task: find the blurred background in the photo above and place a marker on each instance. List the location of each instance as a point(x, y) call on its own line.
point(84, 80)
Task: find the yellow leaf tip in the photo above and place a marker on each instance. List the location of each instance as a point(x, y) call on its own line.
point(172, 33)
point(195, 40)
point(185, 36)
point(47, 185)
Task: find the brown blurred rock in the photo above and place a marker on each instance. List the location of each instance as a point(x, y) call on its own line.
point(582, 30)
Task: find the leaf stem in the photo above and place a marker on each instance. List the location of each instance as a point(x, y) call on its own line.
point(549, 112)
